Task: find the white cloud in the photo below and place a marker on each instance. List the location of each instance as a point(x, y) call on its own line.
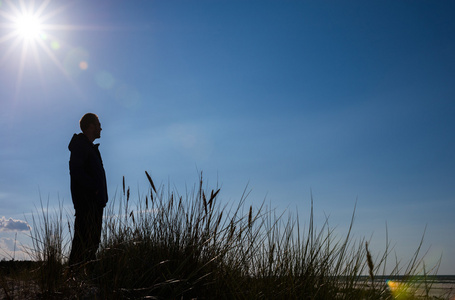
point(7, 244)
point(13, 225)
point(11, 248)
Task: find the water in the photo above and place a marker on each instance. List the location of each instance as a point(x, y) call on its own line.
point(441, 286)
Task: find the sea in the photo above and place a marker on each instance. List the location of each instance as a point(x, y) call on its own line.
point(435, 287)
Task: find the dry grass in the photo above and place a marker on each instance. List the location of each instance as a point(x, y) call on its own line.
point(169, 246)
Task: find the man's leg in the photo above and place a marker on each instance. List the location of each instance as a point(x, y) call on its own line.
point(78, 247)
point(87, 235)
point(94, 237)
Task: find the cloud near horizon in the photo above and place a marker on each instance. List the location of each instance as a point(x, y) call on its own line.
point(13, 225)
point(12, 249)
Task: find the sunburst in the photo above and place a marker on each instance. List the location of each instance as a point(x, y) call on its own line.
point(27, 34)
point(29, 27)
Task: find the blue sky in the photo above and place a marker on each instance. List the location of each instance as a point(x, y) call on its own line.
point(347, 101)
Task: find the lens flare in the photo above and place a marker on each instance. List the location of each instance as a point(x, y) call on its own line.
point(128, 96)
point(75, 61)
point(399, 290)
point(105, 80)
point(55, 45)
point(83, 65)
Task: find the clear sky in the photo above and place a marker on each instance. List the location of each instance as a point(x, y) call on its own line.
point(347, 101)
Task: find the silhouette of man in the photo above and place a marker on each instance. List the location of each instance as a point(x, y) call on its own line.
point(88, 190)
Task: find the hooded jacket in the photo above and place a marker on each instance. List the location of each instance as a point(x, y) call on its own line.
point(88, 179)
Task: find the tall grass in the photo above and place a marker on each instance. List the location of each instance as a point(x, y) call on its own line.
point(49, 246)
point(170, 246)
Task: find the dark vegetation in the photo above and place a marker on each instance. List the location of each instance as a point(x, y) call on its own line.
point(171, 246)
point(9, 267)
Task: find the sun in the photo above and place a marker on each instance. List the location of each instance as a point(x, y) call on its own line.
point(23, 22)
point(26, 36)
point(29, 27)
point(34, 37)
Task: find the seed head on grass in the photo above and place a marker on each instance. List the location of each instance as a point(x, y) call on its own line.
point(250, 216)
point(212, 196)
point(205, 202)
point(369, 262)
point(151, 181)
point(123, 181)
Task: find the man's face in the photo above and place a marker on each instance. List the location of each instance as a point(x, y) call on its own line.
point(96, 127)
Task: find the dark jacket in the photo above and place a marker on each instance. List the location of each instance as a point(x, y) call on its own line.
point(88, 179)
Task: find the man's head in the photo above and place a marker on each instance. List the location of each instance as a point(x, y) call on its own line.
point(90, 126)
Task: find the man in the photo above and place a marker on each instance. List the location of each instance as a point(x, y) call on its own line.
point(88, 190)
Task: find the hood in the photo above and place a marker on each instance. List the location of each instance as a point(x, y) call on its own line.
point(77, 140)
